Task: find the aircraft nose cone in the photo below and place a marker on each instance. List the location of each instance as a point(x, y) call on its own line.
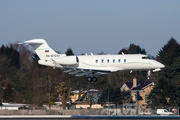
point(158, 65)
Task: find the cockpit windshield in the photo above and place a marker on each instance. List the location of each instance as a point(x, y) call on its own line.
point(147, 57)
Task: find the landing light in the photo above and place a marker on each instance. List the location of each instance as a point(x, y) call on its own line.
point(158, 69)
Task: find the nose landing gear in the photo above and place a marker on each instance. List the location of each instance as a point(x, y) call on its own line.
point(149, 74)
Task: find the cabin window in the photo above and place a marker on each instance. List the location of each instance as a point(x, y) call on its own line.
point(113, 60)
point(107, 60)
point(96, 61)
point(102, 61)
point(124, 60)
point(119, 60)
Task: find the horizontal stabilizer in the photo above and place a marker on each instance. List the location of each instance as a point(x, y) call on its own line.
point(35, 42)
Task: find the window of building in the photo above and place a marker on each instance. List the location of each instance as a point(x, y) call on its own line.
point(146, 98)
point(96, 61)
point(107, 60)
point(124, 60)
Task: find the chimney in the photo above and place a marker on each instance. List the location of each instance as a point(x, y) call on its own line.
point(134, 82)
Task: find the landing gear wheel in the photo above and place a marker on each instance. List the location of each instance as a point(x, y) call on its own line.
point(89, 79)
point(94, 79)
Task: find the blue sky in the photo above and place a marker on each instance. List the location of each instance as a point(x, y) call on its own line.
point(91, 25)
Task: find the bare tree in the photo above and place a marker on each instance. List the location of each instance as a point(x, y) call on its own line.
point(62, 91)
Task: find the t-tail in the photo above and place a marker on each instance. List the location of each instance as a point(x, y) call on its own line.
point(44, 52)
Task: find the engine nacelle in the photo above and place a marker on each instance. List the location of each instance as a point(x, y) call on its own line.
point(68, 60)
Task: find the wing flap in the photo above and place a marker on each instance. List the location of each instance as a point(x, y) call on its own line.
point(69, 70)
point(75, 72)
point(84, 73)
point(78, 72)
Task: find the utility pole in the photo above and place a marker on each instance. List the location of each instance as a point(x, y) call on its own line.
point(108, 99)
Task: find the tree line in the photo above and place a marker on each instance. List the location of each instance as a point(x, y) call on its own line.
point(25, 81)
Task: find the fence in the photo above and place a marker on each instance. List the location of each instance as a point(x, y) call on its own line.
point(96, 111)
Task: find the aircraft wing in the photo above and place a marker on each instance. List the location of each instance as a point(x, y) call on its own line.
point(74, 70)
point(84, 72)
point(77, 72)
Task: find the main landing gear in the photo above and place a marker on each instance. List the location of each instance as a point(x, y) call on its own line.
point(89, 79)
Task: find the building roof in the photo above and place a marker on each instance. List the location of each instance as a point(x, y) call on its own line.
point(141, 85)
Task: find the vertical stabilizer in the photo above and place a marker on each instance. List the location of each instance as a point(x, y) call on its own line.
point(41, 48)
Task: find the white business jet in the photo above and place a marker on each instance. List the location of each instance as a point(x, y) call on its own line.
point(91, 66)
